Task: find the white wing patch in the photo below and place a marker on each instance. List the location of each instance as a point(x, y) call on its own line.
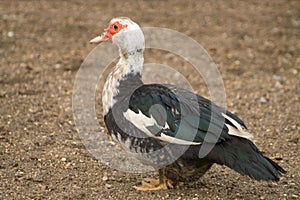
point(141, 121)
point(173, 140)
point(238, 130)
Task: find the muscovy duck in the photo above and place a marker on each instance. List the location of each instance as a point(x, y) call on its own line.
point(167, 126)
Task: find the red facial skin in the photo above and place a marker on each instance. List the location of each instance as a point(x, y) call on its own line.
point(108, 33)
point(113, 29)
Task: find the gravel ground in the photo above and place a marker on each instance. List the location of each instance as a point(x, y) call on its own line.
point(43, 43)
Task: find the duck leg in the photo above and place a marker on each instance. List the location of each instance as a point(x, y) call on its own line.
point(156, 184)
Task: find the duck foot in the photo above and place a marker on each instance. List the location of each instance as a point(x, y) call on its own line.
point(162, 183)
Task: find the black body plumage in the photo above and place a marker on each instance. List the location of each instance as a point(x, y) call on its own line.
point(181, 107)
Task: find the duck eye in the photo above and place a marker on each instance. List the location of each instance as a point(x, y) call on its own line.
point(116, 27)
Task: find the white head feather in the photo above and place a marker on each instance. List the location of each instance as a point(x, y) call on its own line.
point(130, 38)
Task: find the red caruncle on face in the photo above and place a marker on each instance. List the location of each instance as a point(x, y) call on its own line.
point(113, 29)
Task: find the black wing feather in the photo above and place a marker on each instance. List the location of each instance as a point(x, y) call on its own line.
point(193, 113)
point(188, 113)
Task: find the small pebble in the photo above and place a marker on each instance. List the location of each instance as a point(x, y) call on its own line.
point(57, 66)
point(229, 55)
point(104, 178)
point(10, 34)
point(43, 187)
point(19, 174)
point(237, 62)
point(168, 55)
point(108, 185)
point(112, 143)
point(63, 159)
point(277, 78)
point(294, 71)
point(295, 196)
point(263, 100)
point(67, 165)
point(278, 156)
point(278, 84)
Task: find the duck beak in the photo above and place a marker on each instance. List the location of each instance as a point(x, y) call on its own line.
point(99, 39)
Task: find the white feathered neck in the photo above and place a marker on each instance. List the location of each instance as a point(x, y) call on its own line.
point(131, 44)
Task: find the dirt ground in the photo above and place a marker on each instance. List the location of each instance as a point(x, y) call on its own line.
point(43, 43)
